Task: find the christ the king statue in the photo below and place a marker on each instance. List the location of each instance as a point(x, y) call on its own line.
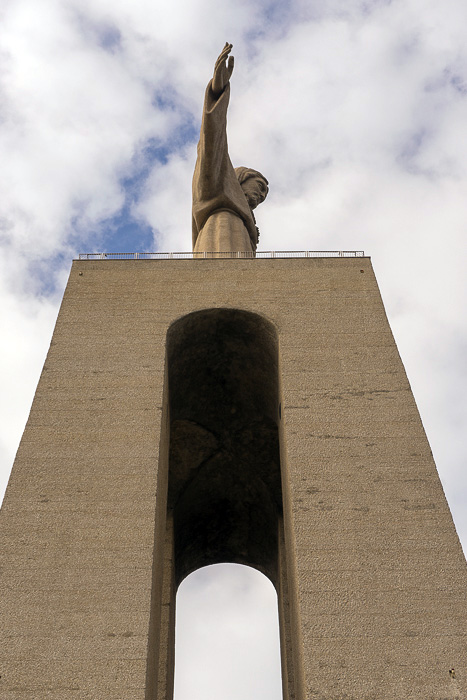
point(223, 196)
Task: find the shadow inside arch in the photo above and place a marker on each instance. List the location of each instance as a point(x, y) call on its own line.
point(224, 467)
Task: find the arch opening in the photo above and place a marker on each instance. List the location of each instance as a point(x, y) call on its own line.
point(219, 478)
point(227, 636)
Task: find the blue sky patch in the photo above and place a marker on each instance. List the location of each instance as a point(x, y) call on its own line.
point(123, 233)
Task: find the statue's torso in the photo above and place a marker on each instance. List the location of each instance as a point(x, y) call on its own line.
point(223, 232)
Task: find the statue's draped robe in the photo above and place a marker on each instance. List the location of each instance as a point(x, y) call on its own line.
point(222, 218)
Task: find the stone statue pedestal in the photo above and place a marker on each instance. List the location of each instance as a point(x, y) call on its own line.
point(370, 575)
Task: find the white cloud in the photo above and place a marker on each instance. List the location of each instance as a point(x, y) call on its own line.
point(166, 202)
point(227, 614)
point(27, 322)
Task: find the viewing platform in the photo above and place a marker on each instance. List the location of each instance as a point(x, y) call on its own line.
point(230, 254)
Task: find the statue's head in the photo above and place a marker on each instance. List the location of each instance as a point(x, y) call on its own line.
point(253, 184)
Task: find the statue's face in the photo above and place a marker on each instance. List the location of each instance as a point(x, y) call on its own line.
point(255, 190)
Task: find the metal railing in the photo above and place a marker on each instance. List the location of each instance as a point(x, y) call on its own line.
point(240, 254)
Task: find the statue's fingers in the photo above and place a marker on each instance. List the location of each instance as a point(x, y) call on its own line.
point(225, 51)
point(220, 62)
point(230, 65)
point(221, 59)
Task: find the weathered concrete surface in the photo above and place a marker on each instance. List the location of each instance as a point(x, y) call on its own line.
point(375, 584)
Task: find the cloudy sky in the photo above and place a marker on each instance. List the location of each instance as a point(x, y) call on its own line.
point(355, 110)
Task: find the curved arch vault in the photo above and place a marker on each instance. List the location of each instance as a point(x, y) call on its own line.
point(224, 494)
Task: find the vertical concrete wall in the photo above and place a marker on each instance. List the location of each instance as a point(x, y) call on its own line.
point(77, 524)
point(373, 574)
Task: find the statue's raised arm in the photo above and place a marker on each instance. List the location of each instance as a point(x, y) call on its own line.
point(223, 197)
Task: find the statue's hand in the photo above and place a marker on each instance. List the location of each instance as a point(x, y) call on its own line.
point(222, 71)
